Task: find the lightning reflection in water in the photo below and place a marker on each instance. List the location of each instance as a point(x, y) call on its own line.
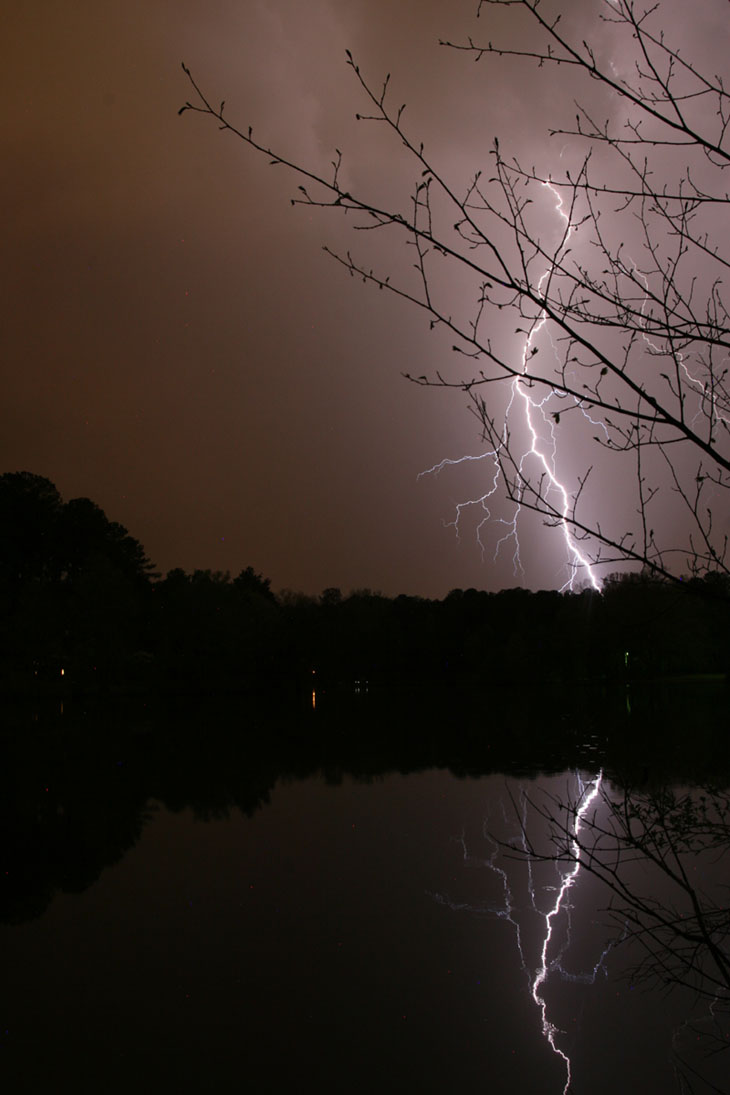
point(555, 921)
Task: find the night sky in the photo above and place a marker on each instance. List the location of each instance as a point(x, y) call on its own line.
point(175, 343)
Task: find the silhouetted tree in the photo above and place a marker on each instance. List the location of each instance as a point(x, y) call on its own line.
point(30, 509)
point(86, 534)
point(210, 630)
point(73, 585)
point(249, 583)
point(331, 596)
point(619, 306)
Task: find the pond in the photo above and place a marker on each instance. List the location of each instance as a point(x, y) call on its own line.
point(215, 896)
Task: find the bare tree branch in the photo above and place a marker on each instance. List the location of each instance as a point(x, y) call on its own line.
point(621, 326)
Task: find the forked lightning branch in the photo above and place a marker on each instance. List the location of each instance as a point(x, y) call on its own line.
point(540, 447)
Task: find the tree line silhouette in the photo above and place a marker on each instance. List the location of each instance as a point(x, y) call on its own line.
point(83, 608)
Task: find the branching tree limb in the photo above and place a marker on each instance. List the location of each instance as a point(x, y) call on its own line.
point(662, 857)
point(612, 273)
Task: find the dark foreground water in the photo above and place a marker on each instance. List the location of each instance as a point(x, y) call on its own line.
point(202, 899)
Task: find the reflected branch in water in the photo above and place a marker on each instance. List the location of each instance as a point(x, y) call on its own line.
point(661, 853)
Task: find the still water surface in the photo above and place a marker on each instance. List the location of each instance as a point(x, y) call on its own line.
point(355, 932)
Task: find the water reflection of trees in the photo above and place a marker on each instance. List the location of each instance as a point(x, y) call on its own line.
point(662, 856)
point(75, 787)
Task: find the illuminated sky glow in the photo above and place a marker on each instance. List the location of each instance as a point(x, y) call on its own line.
point(178, 347)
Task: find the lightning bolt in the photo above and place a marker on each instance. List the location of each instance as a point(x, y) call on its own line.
point(543, 450)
